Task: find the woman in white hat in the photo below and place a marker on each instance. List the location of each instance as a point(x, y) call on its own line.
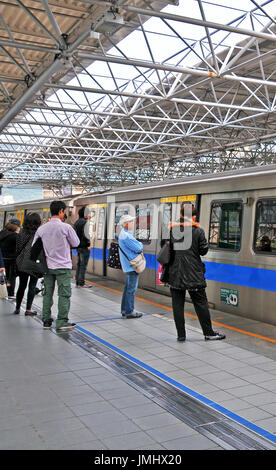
point(129, 249)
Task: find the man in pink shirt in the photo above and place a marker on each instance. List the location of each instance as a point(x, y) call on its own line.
point(57, 238)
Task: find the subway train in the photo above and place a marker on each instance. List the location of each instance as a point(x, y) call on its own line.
point(237, 210)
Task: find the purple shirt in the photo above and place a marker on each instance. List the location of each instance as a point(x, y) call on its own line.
point(58, 238)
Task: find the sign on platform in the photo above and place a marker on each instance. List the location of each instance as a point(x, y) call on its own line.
point(229, 296)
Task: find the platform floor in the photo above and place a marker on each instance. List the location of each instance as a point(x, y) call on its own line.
point(54, 395)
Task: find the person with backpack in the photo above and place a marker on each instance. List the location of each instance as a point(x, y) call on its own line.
point(57, 238)
point(23, 244)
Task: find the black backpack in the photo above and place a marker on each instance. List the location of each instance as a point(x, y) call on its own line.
point(113, 257)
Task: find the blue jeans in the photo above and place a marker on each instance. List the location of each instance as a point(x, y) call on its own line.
point(127, 305)
point(83, 258)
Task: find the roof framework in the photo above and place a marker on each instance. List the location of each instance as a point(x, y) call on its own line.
point(172, 91)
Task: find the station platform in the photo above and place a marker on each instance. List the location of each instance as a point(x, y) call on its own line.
point(127, 384)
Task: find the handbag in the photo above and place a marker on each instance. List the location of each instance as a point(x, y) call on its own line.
point(114, 257)
point(3, 286)
point(159, 274)
point(164, 254)
point(138, 263)
point(164, 277)
point(35, 267)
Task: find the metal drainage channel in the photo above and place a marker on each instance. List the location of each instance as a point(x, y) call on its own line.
point(223, 431)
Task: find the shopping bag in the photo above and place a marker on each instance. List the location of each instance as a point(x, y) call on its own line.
point(159, 274)
point(3, 286)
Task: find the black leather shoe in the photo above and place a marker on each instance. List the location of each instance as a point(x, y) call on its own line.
point(17, 311)
point(31, 314)
point(215, 336)
point(181, 338)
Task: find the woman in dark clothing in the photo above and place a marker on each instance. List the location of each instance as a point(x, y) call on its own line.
point(26, 235)
point(8, 238)
point(186, 272)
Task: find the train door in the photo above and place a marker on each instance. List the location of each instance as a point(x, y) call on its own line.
point(165, 217)
point(145, 231)
point(99, 245)
point(169, 211)
point(92, 236)
point(97, 228)
point(114, 214)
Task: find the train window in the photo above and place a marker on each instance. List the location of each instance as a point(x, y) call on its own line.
point(166, 219)
point(119, 211)
point(265, 226)
point(101, 217)
point(92, 224)
point(225, 225)
point(143, 221)
point(2, 218)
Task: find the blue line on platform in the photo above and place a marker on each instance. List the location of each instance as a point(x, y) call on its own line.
point(106, 319)
point(238, 419)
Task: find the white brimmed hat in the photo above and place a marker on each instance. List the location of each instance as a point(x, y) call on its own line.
point(125, 219)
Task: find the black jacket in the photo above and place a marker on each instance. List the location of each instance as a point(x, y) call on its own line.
point(79, 228)
point(186, 270)
point(8, 244)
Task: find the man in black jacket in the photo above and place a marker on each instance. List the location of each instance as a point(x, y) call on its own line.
point(81, 228)
point(186, 272)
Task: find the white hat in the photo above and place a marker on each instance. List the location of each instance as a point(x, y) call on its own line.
point(125, 219)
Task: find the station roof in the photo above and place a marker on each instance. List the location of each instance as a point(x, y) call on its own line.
point(100, 93)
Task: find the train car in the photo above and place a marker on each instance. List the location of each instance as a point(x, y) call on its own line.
point(237, 210)
point(18, 210)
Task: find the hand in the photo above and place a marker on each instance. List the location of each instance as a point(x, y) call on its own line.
point(2, 270)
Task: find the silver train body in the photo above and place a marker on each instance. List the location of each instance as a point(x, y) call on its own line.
point(237, 211)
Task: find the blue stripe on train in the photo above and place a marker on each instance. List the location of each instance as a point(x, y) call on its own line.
point(241, 275)
point(97, 253)
point(255, 278)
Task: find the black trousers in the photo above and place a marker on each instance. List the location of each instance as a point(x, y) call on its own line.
point(83, 258)
point(23, 281)
point(200, 303)
point(10, 268)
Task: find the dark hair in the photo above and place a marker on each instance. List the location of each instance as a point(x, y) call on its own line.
point(81, 212)
point(10, 227)
point(56, 206)
point(31, 222)
point(194, 211)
